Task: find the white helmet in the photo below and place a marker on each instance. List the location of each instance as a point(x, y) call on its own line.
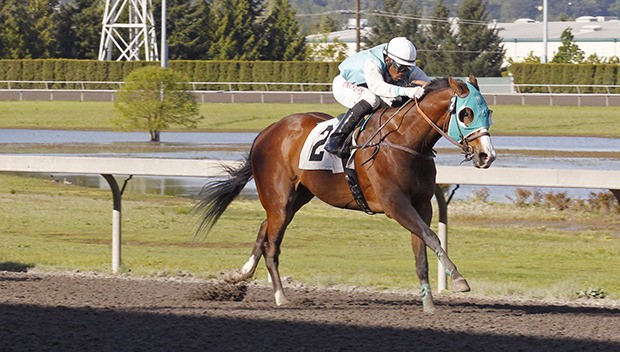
point(401, 50)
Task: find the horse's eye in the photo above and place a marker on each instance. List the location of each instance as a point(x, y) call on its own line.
point(466, 116)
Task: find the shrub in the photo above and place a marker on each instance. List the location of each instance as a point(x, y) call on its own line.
point(604, 202)
point(152, 99)
point(558, 201)
point(480, 195)
point(522, 198)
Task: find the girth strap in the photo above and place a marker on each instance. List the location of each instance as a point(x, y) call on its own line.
point(354, 185)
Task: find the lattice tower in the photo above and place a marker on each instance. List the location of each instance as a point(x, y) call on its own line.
point(128, 31)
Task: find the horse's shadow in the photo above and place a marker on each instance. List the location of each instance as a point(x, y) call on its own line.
point(541, 308)
point(15, 267)
point(520, 308)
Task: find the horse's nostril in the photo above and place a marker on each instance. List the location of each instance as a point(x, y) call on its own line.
point(483, 156)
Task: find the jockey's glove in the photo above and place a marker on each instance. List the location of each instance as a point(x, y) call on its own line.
point(412, 92)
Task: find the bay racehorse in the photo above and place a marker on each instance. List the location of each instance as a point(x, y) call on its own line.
point(394, 163)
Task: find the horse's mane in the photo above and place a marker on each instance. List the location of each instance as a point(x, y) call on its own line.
point(436, 84)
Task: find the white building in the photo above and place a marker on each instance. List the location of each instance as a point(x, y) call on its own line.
point(593, 35)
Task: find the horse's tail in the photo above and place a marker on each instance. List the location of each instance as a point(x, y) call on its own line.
point(216, 196)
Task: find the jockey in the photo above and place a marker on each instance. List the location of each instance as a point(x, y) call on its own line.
point(370, 77)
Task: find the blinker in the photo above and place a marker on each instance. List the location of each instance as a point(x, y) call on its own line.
point(474, 101)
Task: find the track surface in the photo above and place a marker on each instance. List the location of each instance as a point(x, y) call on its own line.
point(77, 312)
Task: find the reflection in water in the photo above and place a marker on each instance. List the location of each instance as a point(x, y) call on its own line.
point(13, 136)
point(188, 187)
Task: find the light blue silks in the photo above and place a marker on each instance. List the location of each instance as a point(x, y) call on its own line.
point(482, 115)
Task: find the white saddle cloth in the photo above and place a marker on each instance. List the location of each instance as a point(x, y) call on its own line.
point(313, 155)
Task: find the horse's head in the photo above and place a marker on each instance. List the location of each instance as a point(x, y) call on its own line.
point(469, 122)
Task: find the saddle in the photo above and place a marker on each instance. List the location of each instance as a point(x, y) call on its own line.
point(313, 157)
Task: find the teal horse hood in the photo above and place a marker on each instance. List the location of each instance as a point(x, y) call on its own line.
point(482, 115)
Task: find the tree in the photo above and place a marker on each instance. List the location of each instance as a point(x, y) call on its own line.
point(409, 25)
point(153, 98)
point(190, 30)
point(390, 23)
point(235, 32)
point(326, 25)
point(281, 34)
point(323, 50)
point(568, 52)
point(27, 29)
point(79, 29)
point(480, 47)
point(386, 25)
point(438, 55)
point(12, 15)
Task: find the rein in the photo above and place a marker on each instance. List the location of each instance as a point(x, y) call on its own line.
point(388, 144)
point(466, 148)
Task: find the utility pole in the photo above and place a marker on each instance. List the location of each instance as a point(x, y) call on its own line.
point(357, 25)
point(545, 32)
point(164, 43)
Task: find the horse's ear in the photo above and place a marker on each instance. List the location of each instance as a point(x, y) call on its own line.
point(458, 87)
point(474, 81)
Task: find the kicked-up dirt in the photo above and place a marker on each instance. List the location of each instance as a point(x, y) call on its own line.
point(80, 312)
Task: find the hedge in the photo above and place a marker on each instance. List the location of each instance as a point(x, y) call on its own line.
point(275, 71)
point(195, 71)
point(573, 74)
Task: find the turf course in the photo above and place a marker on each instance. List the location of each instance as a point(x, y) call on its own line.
point(508, 119)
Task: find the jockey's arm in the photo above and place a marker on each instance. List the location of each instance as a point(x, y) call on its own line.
point(376, 84)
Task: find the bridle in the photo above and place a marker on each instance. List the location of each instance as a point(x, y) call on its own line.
point(464, 145)
point(464, 139)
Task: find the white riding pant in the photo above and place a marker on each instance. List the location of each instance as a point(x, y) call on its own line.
point(349, 94)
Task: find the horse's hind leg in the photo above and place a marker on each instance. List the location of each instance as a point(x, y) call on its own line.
point(249, 268)
point(280, 207)
point(278, 218)
point(276, 225)
point(421, 262)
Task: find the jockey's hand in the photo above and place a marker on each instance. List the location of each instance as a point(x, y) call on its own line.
point(412, 92)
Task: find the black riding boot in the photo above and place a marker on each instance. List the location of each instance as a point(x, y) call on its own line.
point(336, 142)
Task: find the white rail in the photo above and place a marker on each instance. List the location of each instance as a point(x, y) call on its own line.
point(488, 87)
point(106, 167)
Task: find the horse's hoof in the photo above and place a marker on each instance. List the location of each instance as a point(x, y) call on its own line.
point(280, 299)
point(427, 300)
point(428, 307)
point(460, 285)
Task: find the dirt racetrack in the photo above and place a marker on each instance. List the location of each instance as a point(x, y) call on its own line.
point(79, 312)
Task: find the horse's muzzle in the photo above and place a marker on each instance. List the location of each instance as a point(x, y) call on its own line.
point(483, 153)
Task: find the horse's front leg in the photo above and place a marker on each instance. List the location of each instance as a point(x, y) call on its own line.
point(421, 264)
point(407, 216)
